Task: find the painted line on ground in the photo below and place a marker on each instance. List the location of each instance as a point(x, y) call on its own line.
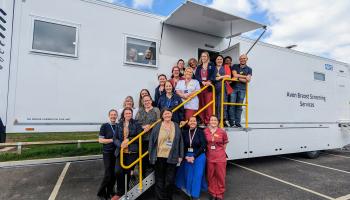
point(313, 164)
point(341, 156)
point(23, 163)
point(346, 197)
point(283, 181)
point(59, 182)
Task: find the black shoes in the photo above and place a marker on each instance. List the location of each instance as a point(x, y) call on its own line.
point(238, 125)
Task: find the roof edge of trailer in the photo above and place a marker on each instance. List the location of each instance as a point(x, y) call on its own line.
point(292, 50)
point(125, 8)
point(213, 21)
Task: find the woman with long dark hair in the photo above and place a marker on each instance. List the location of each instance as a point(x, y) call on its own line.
point(191, 174)
point(223, 71)
point(128, 129)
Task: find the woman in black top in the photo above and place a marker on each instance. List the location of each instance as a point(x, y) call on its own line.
point(191, 174)
point(128, 129)
point(105, 137)
point(160, 89)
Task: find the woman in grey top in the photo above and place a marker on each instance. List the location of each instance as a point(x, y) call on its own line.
point(146, 116)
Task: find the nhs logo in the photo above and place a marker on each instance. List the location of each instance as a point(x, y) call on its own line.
point(328, 67)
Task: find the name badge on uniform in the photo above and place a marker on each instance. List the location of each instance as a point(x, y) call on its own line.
point(190, 150)
point(169, 143)
point(204, 78)
point(212, 147)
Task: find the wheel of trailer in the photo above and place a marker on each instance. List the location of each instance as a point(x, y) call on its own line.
point(312, 154)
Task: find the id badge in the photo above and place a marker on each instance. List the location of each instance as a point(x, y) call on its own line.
point(169, 143)
point(212, 147)
point(204, 78)
point(190, 150)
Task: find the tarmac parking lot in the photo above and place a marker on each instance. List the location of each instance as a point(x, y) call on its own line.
point(276, 177)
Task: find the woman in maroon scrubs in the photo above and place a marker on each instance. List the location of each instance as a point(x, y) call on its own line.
point(216, 158)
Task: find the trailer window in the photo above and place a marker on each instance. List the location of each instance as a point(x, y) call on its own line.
point(140, 52)
point(319, 76)
point(53, 38)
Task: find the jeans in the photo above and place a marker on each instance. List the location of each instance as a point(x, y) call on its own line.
point(237, 96)
point(218, 103)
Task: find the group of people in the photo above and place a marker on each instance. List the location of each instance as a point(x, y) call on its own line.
point(191, 158)
point(184, 82)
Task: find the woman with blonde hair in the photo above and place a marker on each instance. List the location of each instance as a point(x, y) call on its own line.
point(205, 74)
point(185, 89)
point(128, 103)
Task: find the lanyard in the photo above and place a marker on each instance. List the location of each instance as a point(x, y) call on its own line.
point(112, 129)
point(191, 138)
point(126, 130)
point(213, 136)
point(168, 131)
point(168, 103)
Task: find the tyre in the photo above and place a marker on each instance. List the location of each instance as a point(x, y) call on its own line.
point(312, 154)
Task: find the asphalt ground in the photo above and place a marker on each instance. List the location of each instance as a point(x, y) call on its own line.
point(277, 177)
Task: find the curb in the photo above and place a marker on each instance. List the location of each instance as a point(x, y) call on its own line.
point(48, 161)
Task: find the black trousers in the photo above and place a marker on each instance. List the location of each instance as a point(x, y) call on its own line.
point(145, 160)
point(164, 179)
point(108, 182)
point(121, 172)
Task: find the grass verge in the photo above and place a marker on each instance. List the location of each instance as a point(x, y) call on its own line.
point(51, 151)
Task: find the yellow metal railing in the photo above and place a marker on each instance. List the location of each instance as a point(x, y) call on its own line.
point(223, 103)
point(139, 136)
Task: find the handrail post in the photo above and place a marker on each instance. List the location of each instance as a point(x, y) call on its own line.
point(222, 103)
point(19, 148)
point(140, 163)
point(214, 97)
point(246, 106)
point(79, 144)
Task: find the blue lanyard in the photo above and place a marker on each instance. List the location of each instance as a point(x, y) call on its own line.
point(168, 103)
point(113, 129)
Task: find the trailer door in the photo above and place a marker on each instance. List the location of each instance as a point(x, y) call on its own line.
point(343, 94)
point(233, 52)
point(6, 12)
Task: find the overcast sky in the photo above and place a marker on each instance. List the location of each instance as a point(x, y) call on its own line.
point(320, 27)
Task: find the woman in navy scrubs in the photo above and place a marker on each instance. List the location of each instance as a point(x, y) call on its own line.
point(170, 100)
point(107, 131)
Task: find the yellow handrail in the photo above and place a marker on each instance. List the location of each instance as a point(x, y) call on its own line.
point(232, 104)
point(139, 136)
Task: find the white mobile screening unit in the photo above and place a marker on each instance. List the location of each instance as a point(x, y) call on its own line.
point(65, 63)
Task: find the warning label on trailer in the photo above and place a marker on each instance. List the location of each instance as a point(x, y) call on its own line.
point(307, 100)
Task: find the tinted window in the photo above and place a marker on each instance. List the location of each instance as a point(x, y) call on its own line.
point(54, 38)
point(140, 51)
point(319, 76)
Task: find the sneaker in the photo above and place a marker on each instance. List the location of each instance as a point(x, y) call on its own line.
point(238, 125)
point(227, 123)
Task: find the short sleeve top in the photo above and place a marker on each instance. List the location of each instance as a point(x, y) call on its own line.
point(218, 139)
point(192, 86)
